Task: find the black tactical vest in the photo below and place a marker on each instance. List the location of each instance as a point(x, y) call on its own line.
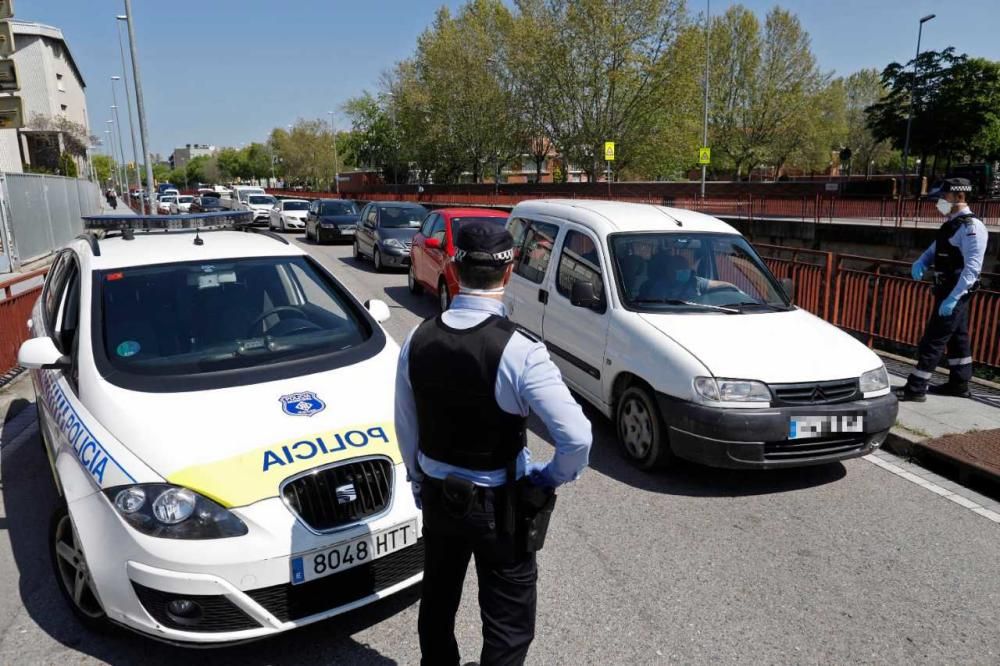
point(453, 373)
point(948, 259)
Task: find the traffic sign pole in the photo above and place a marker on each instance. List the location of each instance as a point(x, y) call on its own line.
point(609, 157)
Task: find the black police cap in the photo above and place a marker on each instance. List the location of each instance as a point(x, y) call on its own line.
point(481, 242)
point(951, 185)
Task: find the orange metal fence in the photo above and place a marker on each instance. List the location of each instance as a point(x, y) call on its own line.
point(877, 299)
point(15, 309)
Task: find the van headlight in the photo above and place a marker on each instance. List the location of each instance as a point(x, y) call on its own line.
point(732, 390)
point(173, 512)
point(874, 380)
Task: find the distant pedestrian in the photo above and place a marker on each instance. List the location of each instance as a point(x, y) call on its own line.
point(956, 255)
point(112, 198)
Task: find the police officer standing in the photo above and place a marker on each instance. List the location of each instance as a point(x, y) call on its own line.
point(465, 385)
point(956, 255)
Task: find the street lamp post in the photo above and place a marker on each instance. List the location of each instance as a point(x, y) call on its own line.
point(140, 106)
point(336, 157)
point(119, 20)
point(704, 132)
point(114, 158)
point(913, 94)
point(118, 127)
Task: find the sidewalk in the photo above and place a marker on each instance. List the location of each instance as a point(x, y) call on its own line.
point(122, 209)
point(960, 437)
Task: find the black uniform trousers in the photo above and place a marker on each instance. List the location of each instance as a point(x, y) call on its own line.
point(507, 581)
point(944, 334)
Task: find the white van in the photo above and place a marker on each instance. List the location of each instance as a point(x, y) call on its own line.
point(238, 200)
point(668, 321)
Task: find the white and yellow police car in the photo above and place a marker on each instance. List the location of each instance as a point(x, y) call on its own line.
point(218, 413)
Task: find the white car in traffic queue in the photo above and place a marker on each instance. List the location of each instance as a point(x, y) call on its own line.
point(668, 322)
point(182, 204)
point(289, 215)
point(260, 205)
point(165, 203)
point(218, 414)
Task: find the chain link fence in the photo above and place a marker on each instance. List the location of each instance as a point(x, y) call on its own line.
point(39, 214)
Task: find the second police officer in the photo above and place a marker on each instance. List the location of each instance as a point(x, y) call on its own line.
point(466, 382)
point(956, 256)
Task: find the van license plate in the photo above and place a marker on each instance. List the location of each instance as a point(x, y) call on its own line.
point(805, 427)
point(349, 554)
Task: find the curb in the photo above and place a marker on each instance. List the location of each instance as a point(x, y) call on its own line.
point(957, 469)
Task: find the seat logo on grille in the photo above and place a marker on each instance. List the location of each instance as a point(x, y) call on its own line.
point(305, 403)
point(346, 493)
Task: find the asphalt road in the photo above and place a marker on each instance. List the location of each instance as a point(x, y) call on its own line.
point(838, 564)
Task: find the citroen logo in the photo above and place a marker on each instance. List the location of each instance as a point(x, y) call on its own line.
point(818, 395)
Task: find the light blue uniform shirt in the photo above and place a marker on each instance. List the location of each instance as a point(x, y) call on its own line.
point(971, 240)
point(527, 381)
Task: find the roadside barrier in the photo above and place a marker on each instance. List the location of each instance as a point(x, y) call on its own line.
point(878, 301)
point(15, 310)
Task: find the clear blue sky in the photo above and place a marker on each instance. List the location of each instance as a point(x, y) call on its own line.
point(227, 71)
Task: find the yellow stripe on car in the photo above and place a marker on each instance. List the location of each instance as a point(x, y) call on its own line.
point(256, 475)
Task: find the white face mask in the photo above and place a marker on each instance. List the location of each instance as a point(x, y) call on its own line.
point(943, 206)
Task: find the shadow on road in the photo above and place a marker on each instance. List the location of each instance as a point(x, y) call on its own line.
point(363, 265)
point(688, 479)
point(29, 501)
point(420, 304)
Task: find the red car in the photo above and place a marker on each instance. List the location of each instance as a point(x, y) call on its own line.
point(431, 267)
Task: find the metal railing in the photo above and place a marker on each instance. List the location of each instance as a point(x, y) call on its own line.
point(878, 301)
point(15, 309)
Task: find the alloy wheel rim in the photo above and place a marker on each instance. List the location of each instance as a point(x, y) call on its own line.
point(73, 569)
point(409, 278)
point(636, 428)
point(378, 259)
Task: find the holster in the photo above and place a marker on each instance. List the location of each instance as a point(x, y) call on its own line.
point(527, 511)
point(458, 494)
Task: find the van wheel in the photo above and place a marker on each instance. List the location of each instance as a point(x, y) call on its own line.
point(640, 429)
point(357, 252)
point(72, 573)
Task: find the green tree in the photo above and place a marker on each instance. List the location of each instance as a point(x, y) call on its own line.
point(599, 71)
point(763, 85)
point(231, 163)
point(257, 158)
point(103, 168)
point(305, 153)
point(197, 168)
point(372, 143)
point(161, 173)
point(862, 89)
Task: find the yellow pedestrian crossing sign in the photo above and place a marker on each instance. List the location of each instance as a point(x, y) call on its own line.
point(609, 151)
point(704, 155)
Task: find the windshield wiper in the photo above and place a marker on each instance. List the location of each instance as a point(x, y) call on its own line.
point(676, 301)
point(745, 304)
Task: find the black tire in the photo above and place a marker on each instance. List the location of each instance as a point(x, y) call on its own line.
point(411, 282)
point(357, 251)
point(309, 236)
point(318, 237)
point(444, 298)
point(66, 561)
point(377, 258)
point(641, 432)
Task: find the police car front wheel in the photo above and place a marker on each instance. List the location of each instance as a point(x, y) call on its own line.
point(640, 429)
point(72, 573)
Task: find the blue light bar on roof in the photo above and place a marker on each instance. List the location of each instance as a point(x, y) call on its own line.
point(227, 219)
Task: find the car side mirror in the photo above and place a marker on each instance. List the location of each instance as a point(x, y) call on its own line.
point(583, 296)
point(378, 309)
point(433, 243)
point(41, 354)
point(789, 286)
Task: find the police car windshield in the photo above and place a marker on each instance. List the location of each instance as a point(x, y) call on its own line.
point(191, 318)
point(717, 273)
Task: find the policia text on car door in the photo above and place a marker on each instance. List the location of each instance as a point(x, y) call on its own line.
point(465, 385)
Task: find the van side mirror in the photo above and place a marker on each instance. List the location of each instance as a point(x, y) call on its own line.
point(42, 354)
point(789, 286)
point(582, 295)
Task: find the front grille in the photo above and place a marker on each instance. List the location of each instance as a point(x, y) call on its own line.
point(217, 612)
point(815, 393)
point(332, 497)
point(293, 602)
point(812, 448)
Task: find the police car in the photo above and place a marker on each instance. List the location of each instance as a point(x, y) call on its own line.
point(218, 416)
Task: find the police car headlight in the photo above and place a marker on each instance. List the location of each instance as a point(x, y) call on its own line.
point(874, 380)
point(732, 390)
point(173, 512)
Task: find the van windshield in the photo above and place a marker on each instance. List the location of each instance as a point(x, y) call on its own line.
point(693, 272)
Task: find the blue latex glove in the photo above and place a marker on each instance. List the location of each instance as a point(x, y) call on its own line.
point(917, 269)
point(415, 487)
point(947, 306)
